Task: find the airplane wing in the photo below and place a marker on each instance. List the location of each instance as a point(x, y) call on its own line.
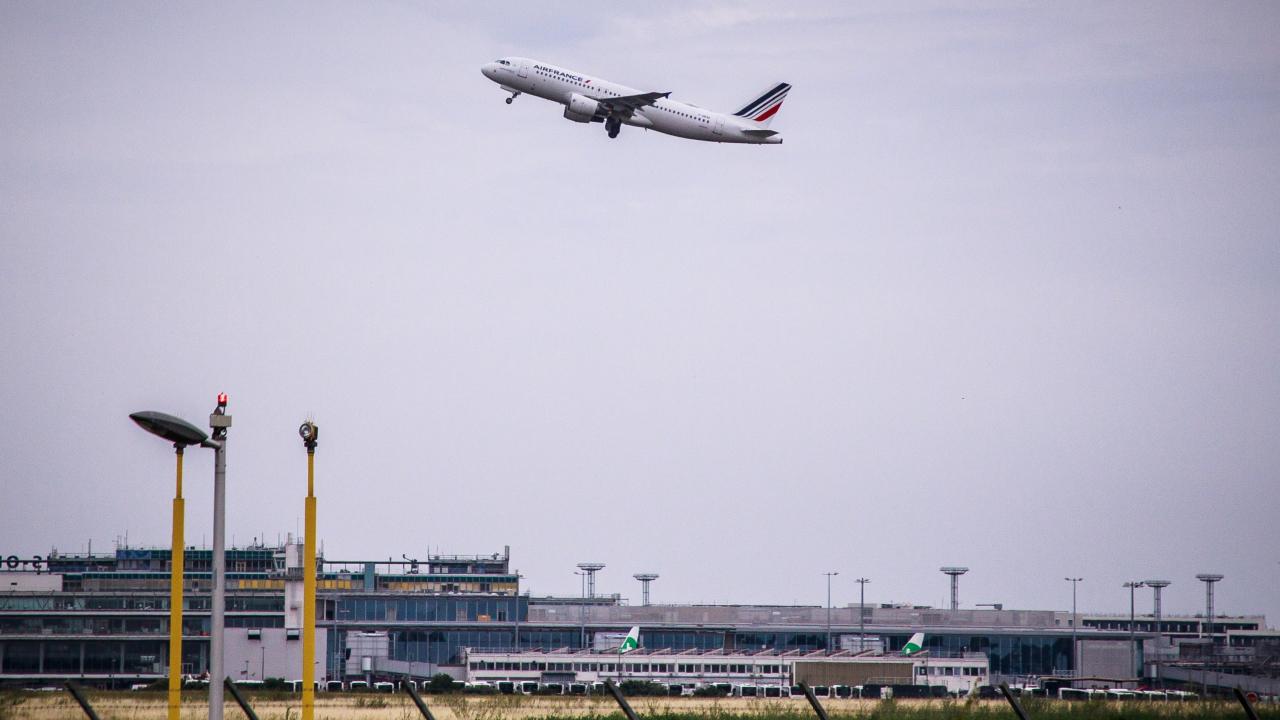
point(627, 104)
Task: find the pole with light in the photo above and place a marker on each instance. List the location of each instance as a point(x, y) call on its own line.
point(862, 613)
point(1075, 653)
point(582, 609)
point(309, 432)
point(1156, 586)
point(219, 422)
point(181, 433)
point(829, 575)
point(1133, 648)
point(519, 577)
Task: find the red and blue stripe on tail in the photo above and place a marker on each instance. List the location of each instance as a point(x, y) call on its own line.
point(766, 106)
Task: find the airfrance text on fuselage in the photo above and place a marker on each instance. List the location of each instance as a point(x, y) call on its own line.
point(561, 73)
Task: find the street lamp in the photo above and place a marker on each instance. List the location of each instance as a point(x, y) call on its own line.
point(1133, 648)
point(309, 432)
point(829, 575)
point(1075, 652)
point(181, 433)
point(862, 613)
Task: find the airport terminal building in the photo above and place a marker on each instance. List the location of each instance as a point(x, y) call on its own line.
point(103, 619)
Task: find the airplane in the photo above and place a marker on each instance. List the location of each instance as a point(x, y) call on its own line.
point(631, 641)
point(914, 645)
point(589, 99)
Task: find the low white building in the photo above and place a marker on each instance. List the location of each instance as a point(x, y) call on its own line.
point(737, 669)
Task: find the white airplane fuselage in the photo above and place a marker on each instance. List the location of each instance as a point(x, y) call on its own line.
point(578, 91)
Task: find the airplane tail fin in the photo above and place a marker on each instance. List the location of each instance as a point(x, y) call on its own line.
point(763, 108)
point(631, 641)
point(914, 645)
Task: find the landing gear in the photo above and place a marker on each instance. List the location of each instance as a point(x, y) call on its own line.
point(514, 95)
point(613, 126)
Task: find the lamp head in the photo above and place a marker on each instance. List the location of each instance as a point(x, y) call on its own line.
point(174, 429)
point(309, 432)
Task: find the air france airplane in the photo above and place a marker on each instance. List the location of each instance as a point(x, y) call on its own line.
point(589, 99)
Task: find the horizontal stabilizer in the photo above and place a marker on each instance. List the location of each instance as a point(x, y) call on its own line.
point(760, 133)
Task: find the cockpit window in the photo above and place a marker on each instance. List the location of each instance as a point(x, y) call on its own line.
point(502, 62)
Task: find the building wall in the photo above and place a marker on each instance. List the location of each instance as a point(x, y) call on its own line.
point(853, 673)
point(29, 582)
point(274, 653)
point(1104, 659)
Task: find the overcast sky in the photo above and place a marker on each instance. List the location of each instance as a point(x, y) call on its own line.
point(1007, 297)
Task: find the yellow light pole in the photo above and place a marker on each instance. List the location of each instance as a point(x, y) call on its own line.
point(177, 565)
point(309, 432)
point(181, 433)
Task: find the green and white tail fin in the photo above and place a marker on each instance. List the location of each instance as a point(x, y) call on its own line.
point(631, 641)
point(914, 645)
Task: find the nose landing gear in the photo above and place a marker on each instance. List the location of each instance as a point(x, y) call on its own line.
point(613, 126)
point(514, 95)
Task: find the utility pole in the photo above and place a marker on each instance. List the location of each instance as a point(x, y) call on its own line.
point(519, 577)
point(1133, 648)
point(310, 433)
point(954, 573)
point(582, 611)
point(1156, 586)
point(829, 575)
point(862, 613)
point(1208, 579)
point(219, 422)
point(1075, 621)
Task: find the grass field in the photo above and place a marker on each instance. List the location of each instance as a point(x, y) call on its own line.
point(281, 706)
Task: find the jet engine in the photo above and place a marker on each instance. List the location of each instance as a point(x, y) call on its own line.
point(581, 108)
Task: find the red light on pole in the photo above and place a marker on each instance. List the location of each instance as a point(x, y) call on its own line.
point(222, 398)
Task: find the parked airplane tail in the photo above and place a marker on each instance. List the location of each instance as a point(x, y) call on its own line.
point(631, 642)
point(763, 108)
point(914, 645)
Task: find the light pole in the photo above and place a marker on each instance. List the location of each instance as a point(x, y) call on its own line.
point(1133, 647)
point(862, 613)
point(829, 576)
point(309, 432)
point(340, 667)
point(1075, 621)
point(519, 577)
point(219, 422)
point(1208, 579)
point(582, 610)
point(1156, 586)
point(181, 433)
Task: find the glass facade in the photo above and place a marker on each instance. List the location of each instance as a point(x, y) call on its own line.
point(782, 640)
point(430, 608)
point(1009, 654)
